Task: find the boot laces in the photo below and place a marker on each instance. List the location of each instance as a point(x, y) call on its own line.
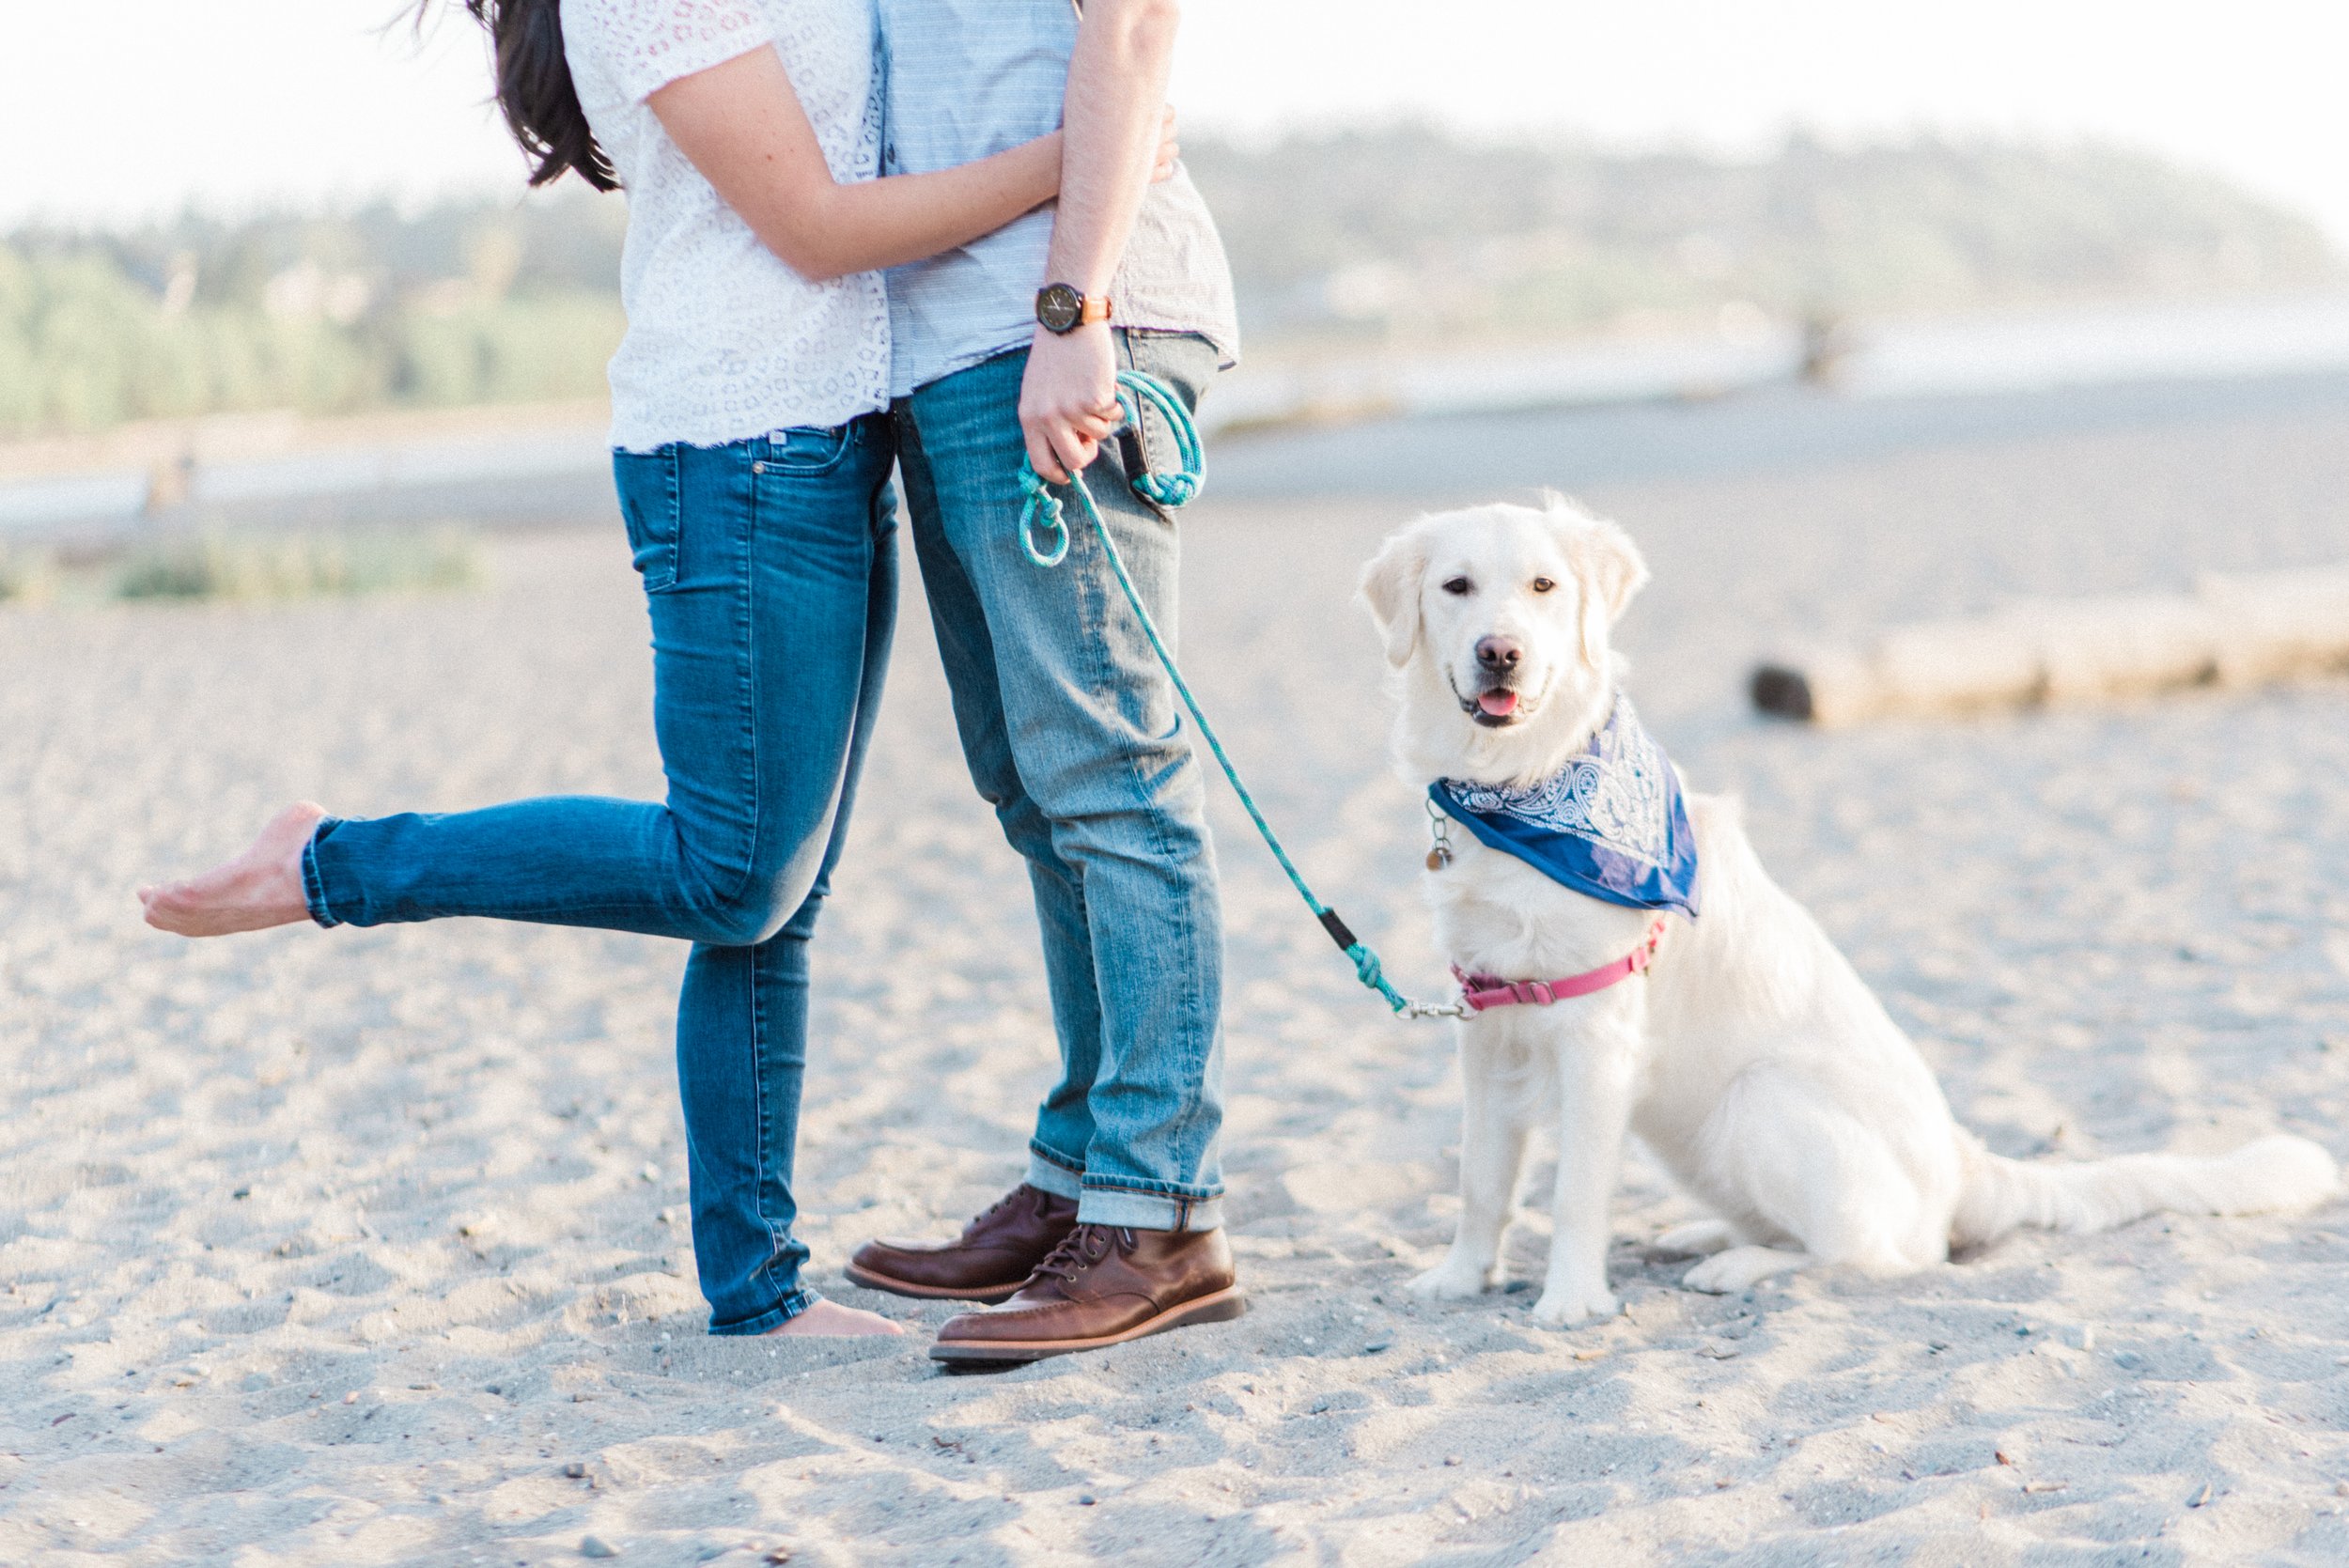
point(1080, 1249)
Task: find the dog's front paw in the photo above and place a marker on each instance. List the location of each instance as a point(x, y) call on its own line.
point(1453, 1279)
point(1564, 1306)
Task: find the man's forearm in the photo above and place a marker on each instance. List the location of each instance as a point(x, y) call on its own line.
point(1110, 122)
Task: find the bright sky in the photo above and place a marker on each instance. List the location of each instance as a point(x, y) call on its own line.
point(120, 107)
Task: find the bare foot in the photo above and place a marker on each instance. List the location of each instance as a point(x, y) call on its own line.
point(259, 888)
point(830, 1319)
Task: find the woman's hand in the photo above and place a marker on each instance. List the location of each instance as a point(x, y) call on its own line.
point(1169, 150)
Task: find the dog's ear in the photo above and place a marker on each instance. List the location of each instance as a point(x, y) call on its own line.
point(1389, 588)
point(1611, 571)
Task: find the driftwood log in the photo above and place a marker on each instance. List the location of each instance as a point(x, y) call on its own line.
point(2235, 629)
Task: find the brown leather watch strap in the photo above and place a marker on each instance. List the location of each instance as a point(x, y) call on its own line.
point(1061, 308)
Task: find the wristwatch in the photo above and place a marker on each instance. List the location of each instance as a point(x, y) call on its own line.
point(1061, 309)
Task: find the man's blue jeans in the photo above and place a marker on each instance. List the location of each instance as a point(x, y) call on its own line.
point(771, 569)
point(1071, 733)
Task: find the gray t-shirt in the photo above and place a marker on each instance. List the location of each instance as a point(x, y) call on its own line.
point(964, 78)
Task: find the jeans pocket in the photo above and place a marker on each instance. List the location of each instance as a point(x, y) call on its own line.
point(808, 449)
point(653, 508)
point(1185, 363)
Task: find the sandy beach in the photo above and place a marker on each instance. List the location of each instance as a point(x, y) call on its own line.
point(369, 1245)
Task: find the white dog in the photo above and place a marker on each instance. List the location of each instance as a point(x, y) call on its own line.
point(1750, 1058)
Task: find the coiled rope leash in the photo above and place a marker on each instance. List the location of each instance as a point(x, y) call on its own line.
point(1044, 534)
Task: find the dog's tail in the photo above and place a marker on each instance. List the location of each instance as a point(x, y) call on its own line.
point(2267, 1176)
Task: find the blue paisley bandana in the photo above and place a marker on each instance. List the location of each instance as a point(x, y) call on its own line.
point(1611, 823)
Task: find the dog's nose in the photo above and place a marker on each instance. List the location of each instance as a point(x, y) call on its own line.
point(1499, 653)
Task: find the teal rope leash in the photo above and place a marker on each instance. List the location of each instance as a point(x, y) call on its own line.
point(1165, 489)
point(1044, 534)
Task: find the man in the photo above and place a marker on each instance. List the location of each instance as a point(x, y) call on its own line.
point(1006, 348)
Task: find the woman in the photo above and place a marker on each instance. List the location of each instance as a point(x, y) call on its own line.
point(752, 458)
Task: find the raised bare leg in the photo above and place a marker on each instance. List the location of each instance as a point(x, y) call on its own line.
point(1493, 1130)
point(259, 888)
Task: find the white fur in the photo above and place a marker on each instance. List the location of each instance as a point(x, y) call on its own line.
point(1752, 1059)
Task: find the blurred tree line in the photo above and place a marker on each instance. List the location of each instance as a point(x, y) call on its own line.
point(1400, 234)
point(464, 302)
point(1406, 232)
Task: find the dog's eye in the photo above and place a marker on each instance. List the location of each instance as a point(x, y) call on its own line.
point(1543, 584)
point(1459, 585)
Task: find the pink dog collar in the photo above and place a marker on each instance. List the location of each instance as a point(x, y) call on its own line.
point(1481, 991)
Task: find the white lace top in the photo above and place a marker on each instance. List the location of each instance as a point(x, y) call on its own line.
point(725, 342)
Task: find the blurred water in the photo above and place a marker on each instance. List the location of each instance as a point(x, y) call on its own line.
point(540, 475)
point(1567, 416)
point(71, 498)
point(1459, 456)
point(1985, 352)
point(2084, 346)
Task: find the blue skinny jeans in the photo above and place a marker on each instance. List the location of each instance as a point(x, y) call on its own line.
point(769, 567)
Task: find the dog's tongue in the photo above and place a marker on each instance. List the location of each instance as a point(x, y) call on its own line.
point(1498, 703)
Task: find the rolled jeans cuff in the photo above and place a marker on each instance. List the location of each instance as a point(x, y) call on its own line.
point(313, 886)
point(1148, 1211)
point(773, 1318)
point(1047, 1173)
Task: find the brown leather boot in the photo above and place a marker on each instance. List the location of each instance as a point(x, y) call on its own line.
point(993, 1257)
point(1104, 1285)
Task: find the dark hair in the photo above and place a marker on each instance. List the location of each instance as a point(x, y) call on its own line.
point(536, 94)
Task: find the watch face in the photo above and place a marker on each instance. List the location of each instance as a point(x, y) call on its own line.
point(1058, 306)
